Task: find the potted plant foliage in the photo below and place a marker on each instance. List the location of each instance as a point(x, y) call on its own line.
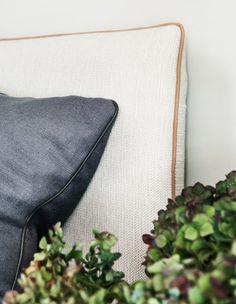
point(191, 258)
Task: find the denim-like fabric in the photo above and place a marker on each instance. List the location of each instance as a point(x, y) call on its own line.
point(49, 150)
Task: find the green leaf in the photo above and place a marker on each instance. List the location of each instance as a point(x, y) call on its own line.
point(153, 301)
point(74, 254)
point(58, 230)
point(24, 298)
point(191, 234)
point(206, 229)
point(209, 210)
point(40, 256)
point(47, 276)
point(180, 213)
point(204, 283)
point(109, 276)
point(232, 282)
point(233, 248)
point(226, 229)
point(157, 267)
point(198, 245)
point(43, 243)
point(195, 296)
point(126, 292)
point(221, 188)
point(158, 283)
point(225, 204)
point(180, 240)
point(161, 241)
point(201, 218)
point(180, 200)
point(55, 290)
point(154, 254)
point(168, 235)
point(198, 189)
point(188, 193)
point(231, 182)
point(98, 297)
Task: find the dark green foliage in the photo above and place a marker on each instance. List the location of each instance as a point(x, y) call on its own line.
point(191, 258)
point(200, 224)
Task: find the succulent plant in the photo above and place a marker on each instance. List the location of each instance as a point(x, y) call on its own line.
point(191, 258)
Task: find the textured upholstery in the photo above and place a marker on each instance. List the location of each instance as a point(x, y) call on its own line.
point(143, 165)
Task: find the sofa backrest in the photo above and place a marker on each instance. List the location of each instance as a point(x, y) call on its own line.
point(210, 28)
point(143, 70)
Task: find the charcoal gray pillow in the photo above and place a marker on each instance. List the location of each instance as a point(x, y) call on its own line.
point(49, 150)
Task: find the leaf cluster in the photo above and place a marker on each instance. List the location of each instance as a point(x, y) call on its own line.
point(191, 258)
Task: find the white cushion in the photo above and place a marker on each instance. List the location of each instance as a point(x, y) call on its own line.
point(144, 71)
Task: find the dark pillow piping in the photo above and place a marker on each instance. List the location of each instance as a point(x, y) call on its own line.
point(61, 191)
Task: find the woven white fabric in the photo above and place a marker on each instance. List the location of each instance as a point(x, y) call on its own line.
point(137, 69)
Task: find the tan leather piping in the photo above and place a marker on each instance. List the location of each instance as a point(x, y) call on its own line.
point(178, 79)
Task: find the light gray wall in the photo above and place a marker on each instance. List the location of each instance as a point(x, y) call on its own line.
point(211, 39)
